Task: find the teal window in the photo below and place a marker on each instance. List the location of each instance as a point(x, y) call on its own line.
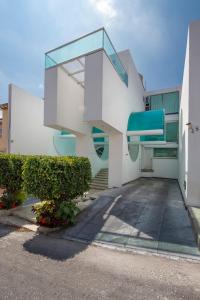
point(165, 152)
point(172, 132)
point(168, 101)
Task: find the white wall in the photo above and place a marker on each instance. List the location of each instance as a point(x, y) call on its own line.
point(64, 109)
point(28, 135)
point(108, 104)
point(64, 102)
point(189, 166)
point(165, 168)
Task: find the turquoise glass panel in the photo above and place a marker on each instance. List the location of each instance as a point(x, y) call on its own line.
point(64, 146)
point(109, 49)
point(133, 151)
point(64, 132)
point(76, 48)
point(98, 139)
point(100, 144)
point(165, 152)
point(97, 130)
point(152, 138)
point(87, 44)
point(172, 132)
point(147, 120)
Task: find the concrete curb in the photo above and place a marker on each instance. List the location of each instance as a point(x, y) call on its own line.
point(7, 212)
point(195, 219)
point(13, 218)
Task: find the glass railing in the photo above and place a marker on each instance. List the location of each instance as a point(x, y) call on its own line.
point(87, 44)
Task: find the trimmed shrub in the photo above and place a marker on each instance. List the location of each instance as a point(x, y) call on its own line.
point(56, 178)
point(11, 167)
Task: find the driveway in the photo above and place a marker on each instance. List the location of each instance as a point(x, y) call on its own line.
point(147, 213)
point(41, 267)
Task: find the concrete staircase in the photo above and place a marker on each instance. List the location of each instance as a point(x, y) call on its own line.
point(100, 181)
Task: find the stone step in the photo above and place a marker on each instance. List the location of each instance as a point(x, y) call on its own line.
point(100, 179)
point(97, 187)
point(99, 182)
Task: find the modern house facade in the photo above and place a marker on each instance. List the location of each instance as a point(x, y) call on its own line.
point(95, 105)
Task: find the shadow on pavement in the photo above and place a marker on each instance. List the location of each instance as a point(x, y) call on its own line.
point(6, 230)
point(53, 248)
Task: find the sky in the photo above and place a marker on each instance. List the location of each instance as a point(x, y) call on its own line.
point(155, 31)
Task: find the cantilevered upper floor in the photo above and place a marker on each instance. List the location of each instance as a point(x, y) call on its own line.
point(87, 83)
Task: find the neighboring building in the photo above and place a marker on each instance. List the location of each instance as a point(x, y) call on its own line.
point(95, 105)
point(4, 127)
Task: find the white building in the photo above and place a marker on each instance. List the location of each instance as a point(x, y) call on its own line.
point(95, 105)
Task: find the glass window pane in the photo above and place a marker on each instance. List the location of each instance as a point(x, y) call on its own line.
point(156, 102)
point(112, 54)
point(76, 48)
point(172, 132)
point(165, 152)
point(171, 102)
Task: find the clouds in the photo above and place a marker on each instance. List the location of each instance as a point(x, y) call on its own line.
point(30, 28)
point(105, 7)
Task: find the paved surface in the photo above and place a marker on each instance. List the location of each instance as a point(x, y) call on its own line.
point(40, 267)
point(150, 214)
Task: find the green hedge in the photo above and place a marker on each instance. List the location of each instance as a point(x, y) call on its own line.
point(56, 178)
point(11, 167)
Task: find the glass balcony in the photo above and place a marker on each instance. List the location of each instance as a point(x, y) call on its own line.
point(97, 40)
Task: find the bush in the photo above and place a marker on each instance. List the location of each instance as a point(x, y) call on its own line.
point(51, 213)
point(56, 178)
point(11, 167)
point(12, 200)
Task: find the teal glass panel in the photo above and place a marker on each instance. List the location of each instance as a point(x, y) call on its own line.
point(171, 103)
point(100, 144)
point(77, 48)
point(64, 146)
point(97, 130)
point(152, 138)
point(87, 44)
point(147, 120)
point(133, 151)
point(165, 152)
point(112, 54)
point(156, 102)
point(172, 132)
point(64, 132)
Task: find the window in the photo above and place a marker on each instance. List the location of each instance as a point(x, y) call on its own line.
point(165, 152)
point(168, 101)
point(0, 130)
point(172, 132)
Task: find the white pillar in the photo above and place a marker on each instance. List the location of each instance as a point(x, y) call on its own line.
point(115, 160)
